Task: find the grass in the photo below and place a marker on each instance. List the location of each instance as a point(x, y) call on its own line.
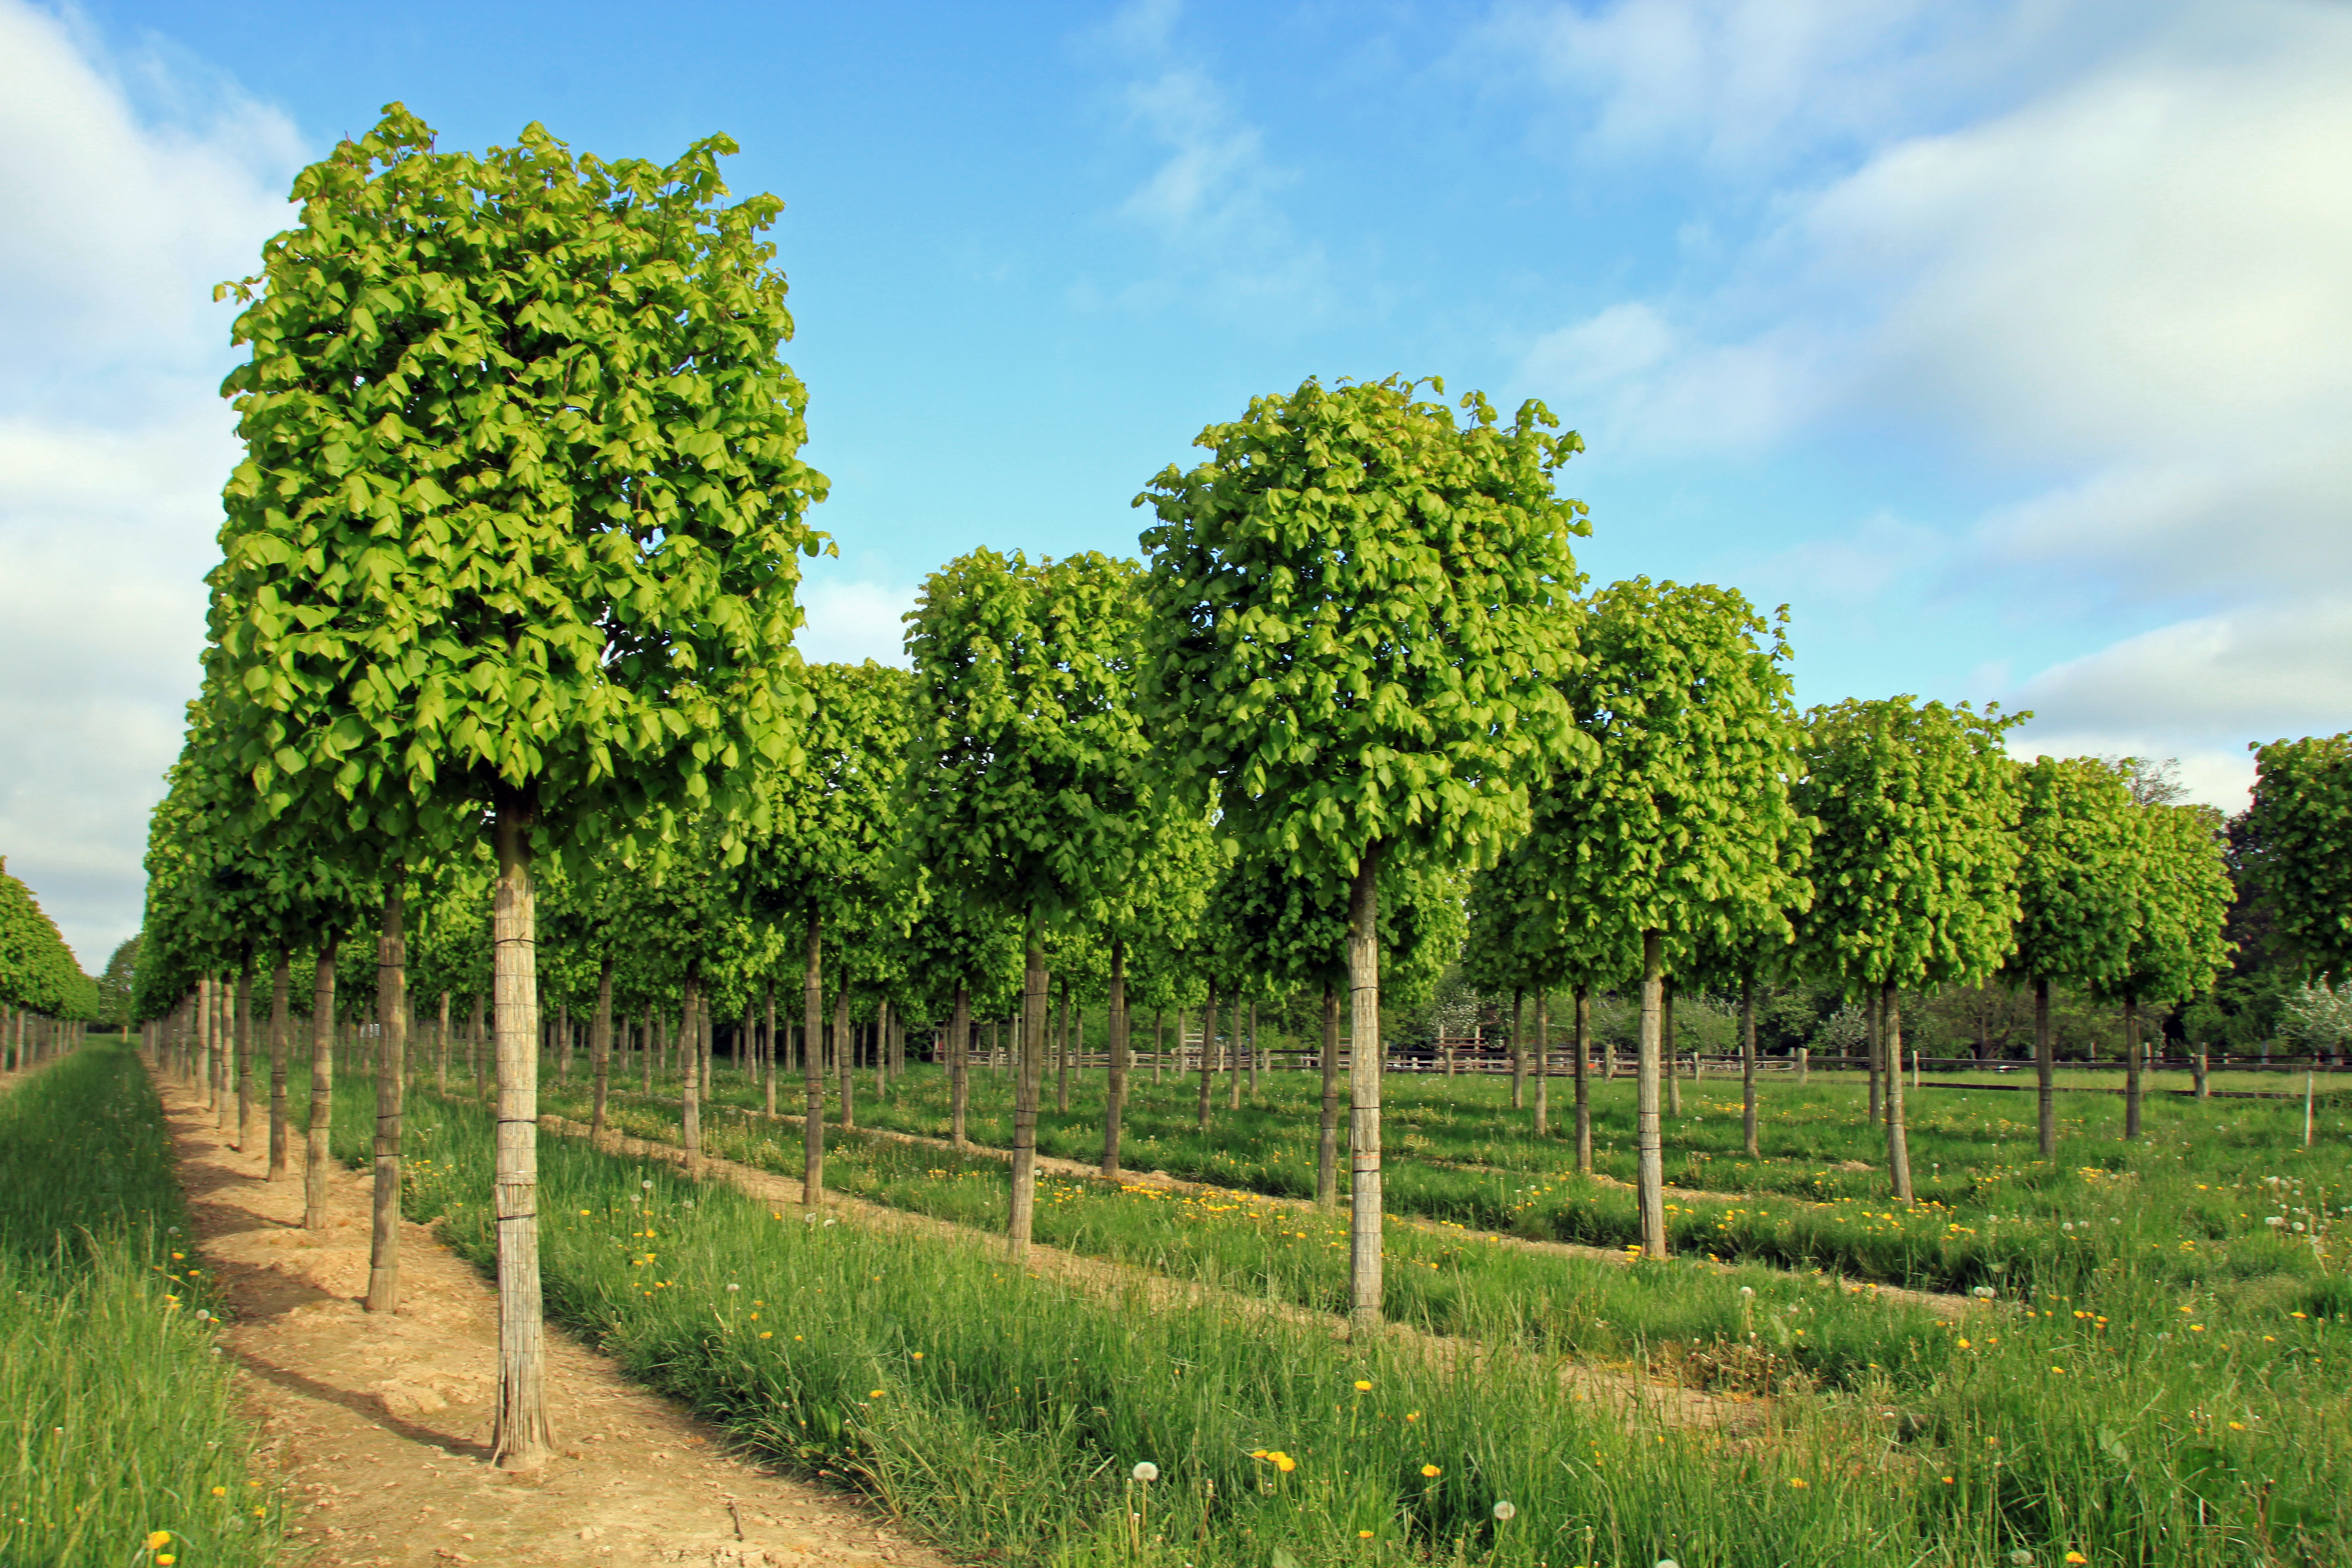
point(123, 1422)
point(1003, 1413)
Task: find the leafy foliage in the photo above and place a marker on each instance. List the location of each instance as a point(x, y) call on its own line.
point(2302, 827)
point(2074, 875)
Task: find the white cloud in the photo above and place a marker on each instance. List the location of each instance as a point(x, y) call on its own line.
point(2115, 280)
point(847, 620)
point(113, 441)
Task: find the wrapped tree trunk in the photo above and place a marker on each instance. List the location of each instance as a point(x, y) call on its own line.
point(600, 1045)
point(1364, 1064)
point(1649, 1135)
point(521, 1437)
point(317, 1160)
point(1748, 1065)
point(2045, 1069)
point(1898, 1136)
point(1028, 1083)
point(1326, 1134)
point(813, 1065)
point(280, 983)
point(1584, 1081)
point(959, 1065)
point(1115, 1074)
point(390, 1085)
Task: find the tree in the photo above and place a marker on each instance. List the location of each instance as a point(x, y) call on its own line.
point(516, 533)
point(1675, 828)
point(1355, 636)
point(2180, 895)
point(38, 973)
point(1914, 862)
point(1025, 789)
point(2074, 895)
point(2301, 826)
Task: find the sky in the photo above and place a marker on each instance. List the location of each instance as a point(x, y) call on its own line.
point(2004, 343)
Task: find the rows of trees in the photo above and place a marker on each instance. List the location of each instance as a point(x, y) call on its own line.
point(501, 675)
point(45, 997)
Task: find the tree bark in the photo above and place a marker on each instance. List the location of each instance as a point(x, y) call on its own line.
point(1208, 1054)
point(225, 1060)
point(1028, 1082)
point(689, 1075)
point(2131, 1066)
point(845, 1056)
point(204, 1041)
point(1327, 1137)
point(1115, 1076)
point(600, 1045)
point(2045, 1069)
point(280, 983)
point(1748, 1065)
point(1584, 1081)
point(812, 1067)
point(390, 1090)
point(1543, 1061)
point(1649, 1135)
point(1365, 1059)
point(1898, 1137)
point(1519, 1052)
point(316, 1154)
point(521, 1435)
point(767, 1062)
point(959, 1065)
point(245, 1056)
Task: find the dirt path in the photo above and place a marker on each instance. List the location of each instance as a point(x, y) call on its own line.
point(379, 1425)
point(1940, 1303)
point(1632, 1394)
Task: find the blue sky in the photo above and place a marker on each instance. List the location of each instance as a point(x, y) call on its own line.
point(2003, 341)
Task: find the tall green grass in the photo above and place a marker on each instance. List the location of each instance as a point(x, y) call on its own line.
point(1004, 1413)
point(121, 1418)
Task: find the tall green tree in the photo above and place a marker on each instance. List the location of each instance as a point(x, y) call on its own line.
point(1025, 785)
point(2074, 896)
point(2180, 892)
point(1914, 862)
point(1356, 637)
point(2301, 830)
point(516, 535)
point(1675, 828)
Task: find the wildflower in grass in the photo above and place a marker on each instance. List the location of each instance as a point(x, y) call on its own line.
point(1432, 1471)
point(2076, 1557)
point(1362, 1387)
point(158, 1539)
point(1145, 1470)
point(1363, 1535)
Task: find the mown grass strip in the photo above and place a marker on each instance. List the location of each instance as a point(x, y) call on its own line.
point(122, 1421)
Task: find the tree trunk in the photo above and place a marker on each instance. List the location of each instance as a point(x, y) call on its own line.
point(689, 1071)
point(225, 1058)
point(1672, 1054)
point(316, 1154)
point(1649, 1136)
point(1028, 1081)
point(564, 1043)
point(441, 1048)
point(1254, 1052)
point(280, 983)
point(245, 1056)
point(1519, 1052)
point(2045, 1067)
point(1748, 1065)
point(812, 1067)
point(845, 1056)
point(1870, 1026)
point(1364, 1063)
point(1327, 1137)
point(2131, 1066)
point(390, 1090)
point(600, 1045)
point(1543, 1062)
point(767, 1062)
point(520, 1435)
point(1208, 1054)
point(648, 1046)
point(204, 1041)
point(1234, 1104)
point(1584, 1081)
point(959, 1065)
point(1159, 1041)
point(1898, 1136)
point(1115, 1075)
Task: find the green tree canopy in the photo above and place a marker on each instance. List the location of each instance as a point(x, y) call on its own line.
point(2300, 826)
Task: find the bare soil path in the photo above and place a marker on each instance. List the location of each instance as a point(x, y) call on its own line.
point(379, 1427)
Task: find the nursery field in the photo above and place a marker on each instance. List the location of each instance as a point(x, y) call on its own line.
point(2145, 1363)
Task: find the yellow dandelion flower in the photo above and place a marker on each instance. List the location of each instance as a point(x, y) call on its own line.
point(1432, 1471)
point(158, 1539)
point(1363, 1386)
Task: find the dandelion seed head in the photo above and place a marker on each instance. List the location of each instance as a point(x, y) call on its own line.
point(1145, 1470)
point(1505, 1511)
